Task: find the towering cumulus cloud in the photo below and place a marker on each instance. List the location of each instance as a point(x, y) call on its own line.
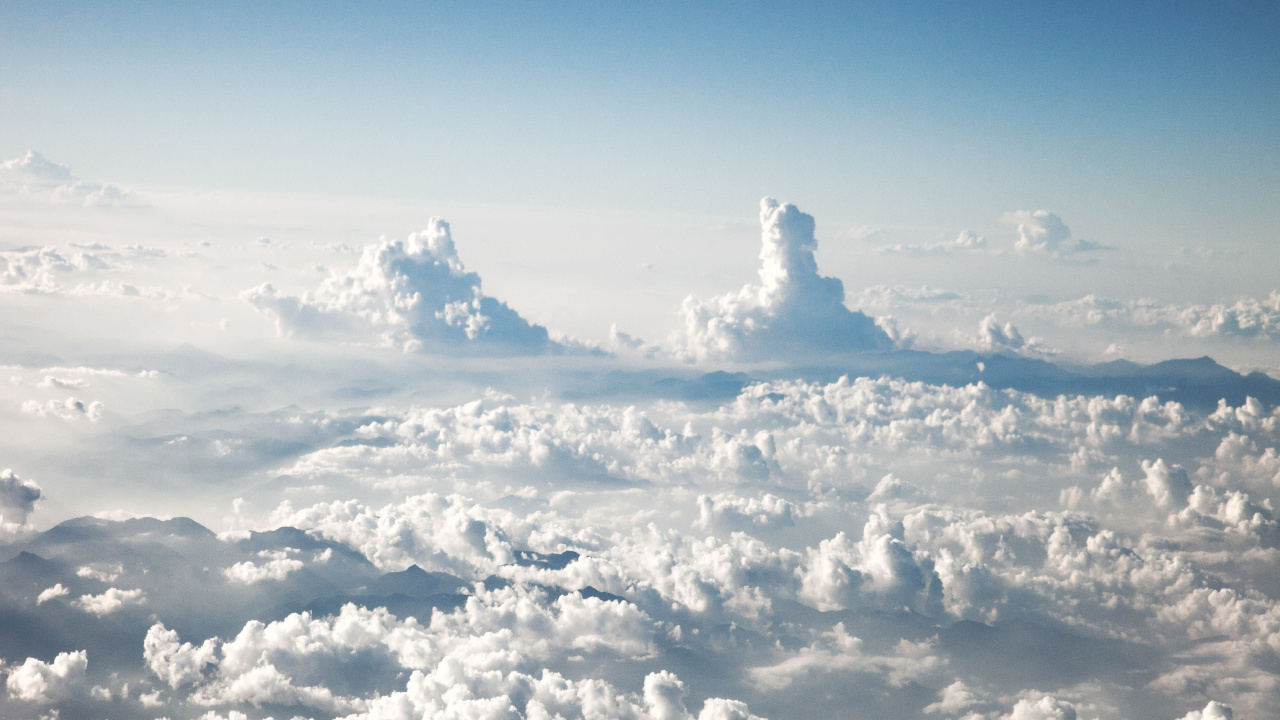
point(793, 311)
point(413, 294)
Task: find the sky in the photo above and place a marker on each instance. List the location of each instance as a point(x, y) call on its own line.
point(717, 361)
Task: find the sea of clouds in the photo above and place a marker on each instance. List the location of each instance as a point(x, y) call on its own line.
point(256, 478)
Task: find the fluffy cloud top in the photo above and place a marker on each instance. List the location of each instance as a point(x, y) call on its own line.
point(994, 337)
point(413, 294)
point(69, 409)
point(17, 499)
point(38, 681)
point(1042, 231)
point(1212, 711)
point(34, 176)
point(792, 311)
point(110, 601)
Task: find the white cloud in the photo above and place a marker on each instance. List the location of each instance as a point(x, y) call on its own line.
point(51, 593)
point(69, 409)
point(793, 310)
point(1169, 486)
point(994, 337)
point(1246, 317)
point(110, 601)
point(726, 508)
point(878, 571)
point(465, 661)
point(1045, 708)
point(18, 498)
point(837, 652)
point(723, 709)
point(1043, 232)
point(414, 295)
point(278, 566)
point(106, 575)
point(1213, 711)
point(36, 270)
point(966, 241)
point(953, 700)
point(35, 177)
point(41, 682)
point(177, 663)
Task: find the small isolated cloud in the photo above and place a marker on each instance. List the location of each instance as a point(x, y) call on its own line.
point(413, 294)
point(34, 176)
point(42, 682)
point(792, 311)
point(18, 498)
point(623, 343)
point(994, 337)
point(48, 594)
point(1040, 231)
point(110, 601)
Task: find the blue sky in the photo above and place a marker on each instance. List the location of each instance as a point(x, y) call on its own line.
point(1150, 122)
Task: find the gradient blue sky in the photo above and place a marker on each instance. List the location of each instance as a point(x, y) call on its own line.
point(1149, 123)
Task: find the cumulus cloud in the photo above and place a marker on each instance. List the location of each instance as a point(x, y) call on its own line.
point(18, 498)
point(278, 565)
point(69, 409)
point(1041, 231)
point(1213, 711)
point(952, 700)
point(793, 310)
point(52, 593)
point(1169, 486)
point(414, 295)
point(34, 176)
point(110, 601)
point(1045, 708)
point(176, 663)
point(42, 682)
point(994, 337)
point(1245, 317)
point(36, 270)
point(879, 571)
point(468, 661)
point(768, 510)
